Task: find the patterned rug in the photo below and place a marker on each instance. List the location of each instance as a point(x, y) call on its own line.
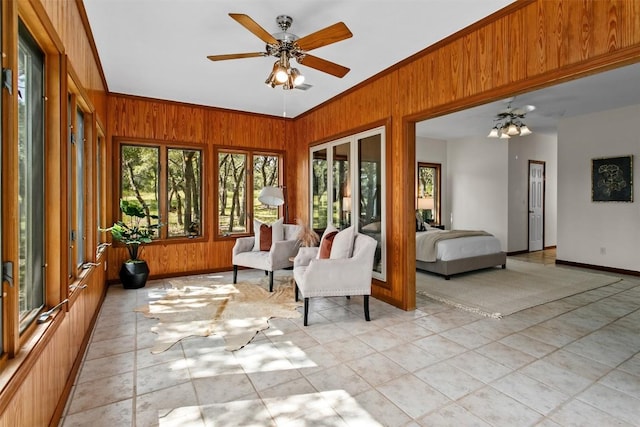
point(203, 307)
point(496, 293)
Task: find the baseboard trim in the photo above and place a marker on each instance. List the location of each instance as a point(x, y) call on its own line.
point(599, 267)
point(517, 252)
point(550, 247)
point(180, 274)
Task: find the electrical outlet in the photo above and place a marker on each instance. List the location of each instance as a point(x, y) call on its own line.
point(603, 251)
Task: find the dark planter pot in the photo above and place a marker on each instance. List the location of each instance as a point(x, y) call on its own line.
point(133, 275)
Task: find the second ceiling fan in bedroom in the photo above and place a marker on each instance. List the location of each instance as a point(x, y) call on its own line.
point(287, 47)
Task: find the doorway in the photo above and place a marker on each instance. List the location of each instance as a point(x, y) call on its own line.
point(536, 205)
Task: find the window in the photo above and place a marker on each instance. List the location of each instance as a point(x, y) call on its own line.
point(429, 192)
point(353, 169)
point(241, 177)
point(141, 180)
point(30, 269)
point(79, 232)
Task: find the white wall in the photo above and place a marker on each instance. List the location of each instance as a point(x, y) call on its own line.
point(522, 149)
point(477, 179)
point(435, 151)
point(597, 233)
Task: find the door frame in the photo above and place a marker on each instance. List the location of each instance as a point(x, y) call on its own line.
point(544, 194)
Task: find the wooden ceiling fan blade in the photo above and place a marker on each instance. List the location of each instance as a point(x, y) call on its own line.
point(235, 56)
point(254, 27)
point(324, 65)
point(331, 34)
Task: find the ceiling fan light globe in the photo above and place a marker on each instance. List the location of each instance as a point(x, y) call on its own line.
point(298, 78)
point(281, 76)
point(524, 131)
point(512, 130)
point(494, 133)
point(504, 135)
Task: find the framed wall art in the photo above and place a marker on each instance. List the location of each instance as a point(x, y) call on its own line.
point(612, 179)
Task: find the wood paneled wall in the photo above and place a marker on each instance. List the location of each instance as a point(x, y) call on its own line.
point(527, 45)
point(148, 119)
point(66, 18)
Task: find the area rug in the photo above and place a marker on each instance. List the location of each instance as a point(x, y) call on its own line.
point(496, 293)
point(203, 307)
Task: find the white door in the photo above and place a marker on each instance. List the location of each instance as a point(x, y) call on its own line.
point(536, 205)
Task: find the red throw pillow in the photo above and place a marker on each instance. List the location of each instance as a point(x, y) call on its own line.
point(325, 249)
point(265, 237)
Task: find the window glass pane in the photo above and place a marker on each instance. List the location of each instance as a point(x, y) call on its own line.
point(30, 178)
point(184, 192)
point(79, 196)
point(342, 205)
point(429, 192)
point(139, 177)
point(319, 170)
point(99, 181)
point(232, 193)
point(370, 203)
point(265, 174)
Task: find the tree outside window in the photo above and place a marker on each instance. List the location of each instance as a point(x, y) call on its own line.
point(180, 208)
point(241, 177)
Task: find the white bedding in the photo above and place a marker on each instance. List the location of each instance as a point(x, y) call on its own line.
point(463, 247)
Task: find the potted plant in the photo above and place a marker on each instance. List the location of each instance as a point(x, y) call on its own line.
point(137, 230)
point(306, 235)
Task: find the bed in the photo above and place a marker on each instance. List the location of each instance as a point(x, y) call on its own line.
point(457, 251)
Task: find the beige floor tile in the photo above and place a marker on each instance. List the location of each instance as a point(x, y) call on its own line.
point(106, 366)
point(622, 381)
point(449, 380)
point(411, 357)
point(558, 378)
point(440, 347)
point(415, 397)
point(380, 409)
point(102, 391)
point(530, 392)
point(166, 406)
point(505, 355)
point(479, 366)
point(339, 377)
point(580, 414)
point(115, 414)
point(613, 402)
point(161, 376)
point(376, 369)
point(498, 409)
point(452, 416)
point(528, 345)
point(245, 412)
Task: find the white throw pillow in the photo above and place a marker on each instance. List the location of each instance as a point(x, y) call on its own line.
point(330, 229)
point(343, 243)
point(277, 232)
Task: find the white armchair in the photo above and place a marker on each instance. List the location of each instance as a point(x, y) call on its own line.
point(335, 277)
point(277, 258)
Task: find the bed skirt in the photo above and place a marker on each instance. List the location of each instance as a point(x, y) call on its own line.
point(449, 268)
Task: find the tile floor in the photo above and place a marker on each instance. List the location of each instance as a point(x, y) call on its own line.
point(572, 362)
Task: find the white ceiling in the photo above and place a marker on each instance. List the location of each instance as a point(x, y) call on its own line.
point(158, 48)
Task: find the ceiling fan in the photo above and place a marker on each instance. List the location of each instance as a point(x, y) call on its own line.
point(287, 46)
point(510, 121)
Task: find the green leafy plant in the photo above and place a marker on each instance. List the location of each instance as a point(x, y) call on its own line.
point(136, 231)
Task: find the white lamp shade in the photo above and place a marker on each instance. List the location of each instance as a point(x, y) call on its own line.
point(425, 203)
point(346, 203)
point(512, 130)
point(524, 130)
point(494, 133)
point(271, 196)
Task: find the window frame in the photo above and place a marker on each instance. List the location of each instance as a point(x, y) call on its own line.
point(437, 219)
point(163, 152)
point(250, 154)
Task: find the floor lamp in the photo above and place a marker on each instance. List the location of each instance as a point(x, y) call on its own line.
point(274, 196)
